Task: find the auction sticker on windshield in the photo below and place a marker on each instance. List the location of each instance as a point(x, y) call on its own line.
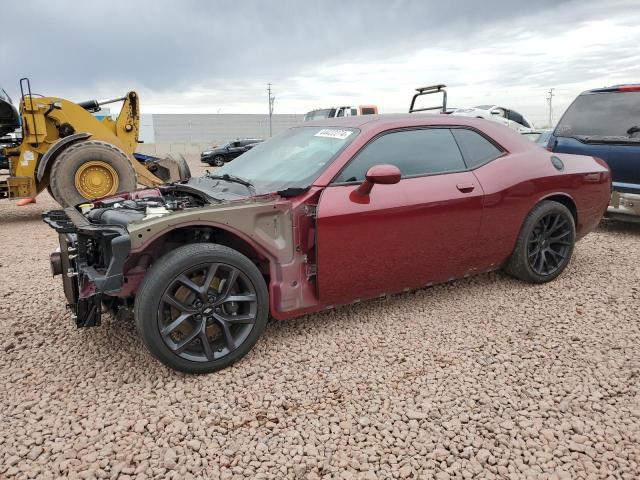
point(333, 133)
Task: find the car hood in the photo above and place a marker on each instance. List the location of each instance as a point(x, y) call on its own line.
point(214, 150)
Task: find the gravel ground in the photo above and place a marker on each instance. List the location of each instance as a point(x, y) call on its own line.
point(482, 378)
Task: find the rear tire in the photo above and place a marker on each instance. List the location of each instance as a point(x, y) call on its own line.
point(70, 186)
point(544, 245)
point(183, 310)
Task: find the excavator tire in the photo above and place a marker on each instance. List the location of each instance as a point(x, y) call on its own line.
point(88, 170)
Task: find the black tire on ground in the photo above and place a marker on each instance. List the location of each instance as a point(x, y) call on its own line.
point(544, 245)
point(62, 176)
point(218, 161)
point(195, 314)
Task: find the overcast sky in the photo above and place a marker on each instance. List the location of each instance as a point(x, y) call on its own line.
point(217, 56)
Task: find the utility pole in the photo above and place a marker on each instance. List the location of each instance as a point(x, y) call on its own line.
point(550, 102)
point(272, 99)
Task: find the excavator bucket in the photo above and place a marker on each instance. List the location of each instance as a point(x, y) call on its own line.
point(173, 168)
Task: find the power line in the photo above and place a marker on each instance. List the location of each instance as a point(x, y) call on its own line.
point(550, 96)
point(272, 99)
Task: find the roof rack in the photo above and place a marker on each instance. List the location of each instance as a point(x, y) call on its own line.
point(427, 91)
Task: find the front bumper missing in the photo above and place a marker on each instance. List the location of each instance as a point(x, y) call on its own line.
point(84, 284)
point(624, 206)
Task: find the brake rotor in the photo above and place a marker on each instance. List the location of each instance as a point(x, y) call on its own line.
point(184, 295)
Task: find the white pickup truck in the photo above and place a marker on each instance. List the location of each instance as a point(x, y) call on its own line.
point(346, 111)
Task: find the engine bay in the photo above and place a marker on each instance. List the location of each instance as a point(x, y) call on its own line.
point(140, 205)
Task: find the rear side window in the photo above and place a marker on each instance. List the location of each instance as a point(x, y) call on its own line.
point(414, 152)
point(516, 117)
point(476, 149)
point(601, 115)
point(368, 111)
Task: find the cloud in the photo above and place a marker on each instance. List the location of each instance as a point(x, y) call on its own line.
point(200, 56)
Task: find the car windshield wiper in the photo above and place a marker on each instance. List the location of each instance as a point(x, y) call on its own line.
point(234, 179)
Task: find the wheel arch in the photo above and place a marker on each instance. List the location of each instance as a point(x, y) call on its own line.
point(560, 197)
point(208, 232)
point(44, 166)
point(564, 199)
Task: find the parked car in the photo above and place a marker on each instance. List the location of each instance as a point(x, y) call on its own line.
point(218, 156)
point(541, 137)
point(337, 112)
point(605, 122)
point(324, 214)
point(502, 115)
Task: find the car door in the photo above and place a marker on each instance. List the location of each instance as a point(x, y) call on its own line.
point(235, 149)
point(407, 235)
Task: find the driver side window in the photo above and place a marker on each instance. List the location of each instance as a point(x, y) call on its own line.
point(414, 152)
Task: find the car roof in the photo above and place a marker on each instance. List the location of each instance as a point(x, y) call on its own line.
point(627, 87)
point(393, 120)
point(374, 124)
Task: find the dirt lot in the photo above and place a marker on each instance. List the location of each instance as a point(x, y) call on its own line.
point(482, 378)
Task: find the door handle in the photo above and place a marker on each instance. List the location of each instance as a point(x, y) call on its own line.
point(465, 187)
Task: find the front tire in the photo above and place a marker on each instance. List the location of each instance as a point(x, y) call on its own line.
point(218, 161)
point(201, 308)
point(88, 170)
point(544, 245)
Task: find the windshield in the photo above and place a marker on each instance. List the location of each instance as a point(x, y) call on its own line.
point(319, 114)
point(4, 95)
point(602, 115)
point(484, 107)
point(292, 159)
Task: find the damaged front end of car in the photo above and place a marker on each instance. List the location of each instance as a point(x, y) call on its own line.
point(108, 246)
point(95, 242)
point(90, 260)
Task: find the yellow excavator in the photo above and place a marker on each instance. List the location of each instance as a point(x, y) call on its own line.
point(62, 146)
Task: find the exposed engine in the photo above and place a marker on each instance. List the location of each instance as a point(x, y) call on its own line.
point(142, 205)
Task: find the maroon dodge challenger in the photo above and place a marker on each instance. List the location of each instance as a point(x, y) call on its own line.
point(322, 215)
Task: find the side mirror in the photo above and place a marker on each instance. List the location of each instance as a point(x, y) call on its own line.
point(496, 112)
point(382, 174)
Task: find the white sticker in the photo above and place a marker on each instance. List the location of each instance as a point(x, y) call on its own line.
point(333, 133)
point(27, 157)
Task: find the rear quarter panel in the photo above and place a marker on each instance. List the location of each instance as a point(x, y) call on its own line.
point(515, 183)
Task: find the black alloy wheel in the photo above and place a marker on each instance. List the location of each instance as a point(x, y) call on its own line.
point(201, 307)
point(207, 311)
point(545, 243)
point(549, 243)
